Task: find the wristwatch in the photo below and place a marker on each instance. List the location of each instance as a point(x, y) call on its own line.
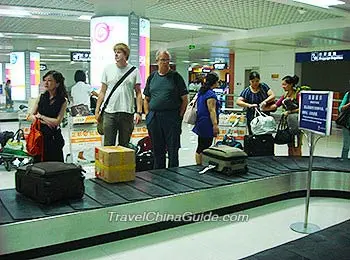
point(140, 113)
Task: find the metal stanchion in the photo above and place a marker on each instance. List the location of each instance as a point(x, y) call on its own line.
point(305, 227)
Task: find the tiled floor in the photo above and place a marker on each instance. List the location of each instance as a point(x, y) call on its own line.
point(267, 226)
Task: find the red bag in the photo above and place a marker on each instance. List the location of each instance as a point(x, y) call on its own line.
point(35, 140)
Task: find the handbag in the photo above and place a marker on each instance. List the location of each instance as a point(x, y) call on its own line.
point(190, 115)
point(343, 118)
point(283, 135)
point(120, 81)
point(292, 122)
point(14, 145)
point(35, 140)
point(262, 124)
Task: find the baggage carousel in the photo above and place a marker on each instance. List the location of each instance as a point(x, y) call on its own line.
point(110, 212)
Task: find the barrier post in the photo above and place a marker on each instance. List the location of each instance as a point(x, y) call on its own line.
point(306, 227)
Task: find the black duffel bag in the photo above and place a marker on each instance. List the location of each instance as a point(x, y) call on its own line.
point(48, 182)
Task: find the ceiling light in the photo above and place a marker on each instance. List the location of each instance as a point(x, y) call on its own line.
point(321, 3)
point(15, 12)
point(76, 49)
point(54, 37)
point(56, 55)
point(301, 11)
point(65, 60)
point(2, 35)
point(186, 61)
point(40, 48)
point(181, 26)
point(85, 17)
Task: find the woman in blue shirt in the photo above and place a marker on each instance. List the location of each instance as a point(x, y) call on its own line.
point(345, 104)
point(208, 108)
point(256, 95)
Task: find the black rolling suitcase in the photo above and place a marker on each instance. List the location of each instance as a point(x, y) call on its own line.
point(259, 145)
point(48, 182)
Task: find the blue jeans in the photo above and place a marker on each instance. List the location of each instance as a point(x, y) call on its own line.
point(346, 143)
point(164, 128)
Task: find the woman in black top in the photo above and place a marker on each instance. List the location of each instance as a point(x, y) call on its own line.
point(49, 109)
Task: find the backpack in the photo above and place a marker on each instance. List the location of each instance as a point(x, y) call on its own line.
point(35, 140)
point(5, 136)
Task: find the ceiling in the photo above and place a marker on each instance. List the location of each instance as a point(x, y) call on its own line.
point(226, 26)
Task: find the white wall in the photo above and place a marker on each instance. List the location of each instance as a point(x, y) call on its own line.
point(182, 68)
point(268, 62)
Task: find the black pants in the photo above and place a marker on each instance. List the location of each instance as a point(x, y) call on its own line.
point(164, 128)
point(53, 146)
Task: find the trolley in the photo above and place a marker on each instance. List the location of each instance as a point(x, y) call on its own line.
point(83, 138)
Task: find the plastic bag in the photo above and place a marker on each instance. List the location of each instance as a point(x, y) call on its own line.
point(262, 124)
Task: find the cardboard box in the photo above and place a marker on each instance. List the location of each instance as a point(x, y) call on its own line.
point(112, 174)
point(114, 155)
point(115, 163)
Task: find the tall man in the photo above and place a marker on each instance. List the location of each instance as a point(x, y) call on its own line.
point(165, 103)
point(119, 113)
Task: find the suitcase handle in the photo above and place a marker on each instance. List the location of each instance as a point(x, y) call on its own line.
point(28, 169)
point(209, 167)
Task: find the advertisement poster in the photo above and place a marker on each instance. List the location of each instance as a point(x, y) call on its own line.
point(315, 112)
point(105, 32)
point(34, 74)
point(16, 74)
point(144, 50)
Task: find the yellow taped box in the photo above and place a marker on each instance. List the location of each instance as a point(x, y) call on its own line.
point(115, 163)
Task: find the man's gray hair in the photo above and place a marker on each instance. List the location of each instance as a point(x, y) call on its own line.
point(161, 51)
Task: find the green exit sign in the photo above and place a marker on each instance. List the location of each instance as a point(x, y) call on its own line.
point(191, 46)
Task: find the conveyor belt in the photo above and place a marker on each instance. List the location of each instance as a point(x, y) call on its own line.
point(175, 190)
point(158, 183)
point(330, 243)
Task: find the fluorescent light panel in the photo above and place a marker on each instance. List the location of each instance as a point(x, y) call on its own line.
point(71, 49)
point(181, 26)
point(14, 12)
point(65, 60)
point(54, 37)
point(56, 55)
point(321, 3)
point(85, 17)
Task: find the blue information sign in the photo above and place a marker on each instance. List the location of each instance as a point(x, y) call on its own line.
point(315, 113)
point(318, 56)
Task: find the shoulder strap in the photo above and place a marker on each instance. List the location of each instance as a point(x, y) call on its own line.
point(120, 81)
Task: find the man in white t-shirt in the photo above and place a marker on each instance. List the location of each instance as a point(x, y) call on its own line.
point(120, 113)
